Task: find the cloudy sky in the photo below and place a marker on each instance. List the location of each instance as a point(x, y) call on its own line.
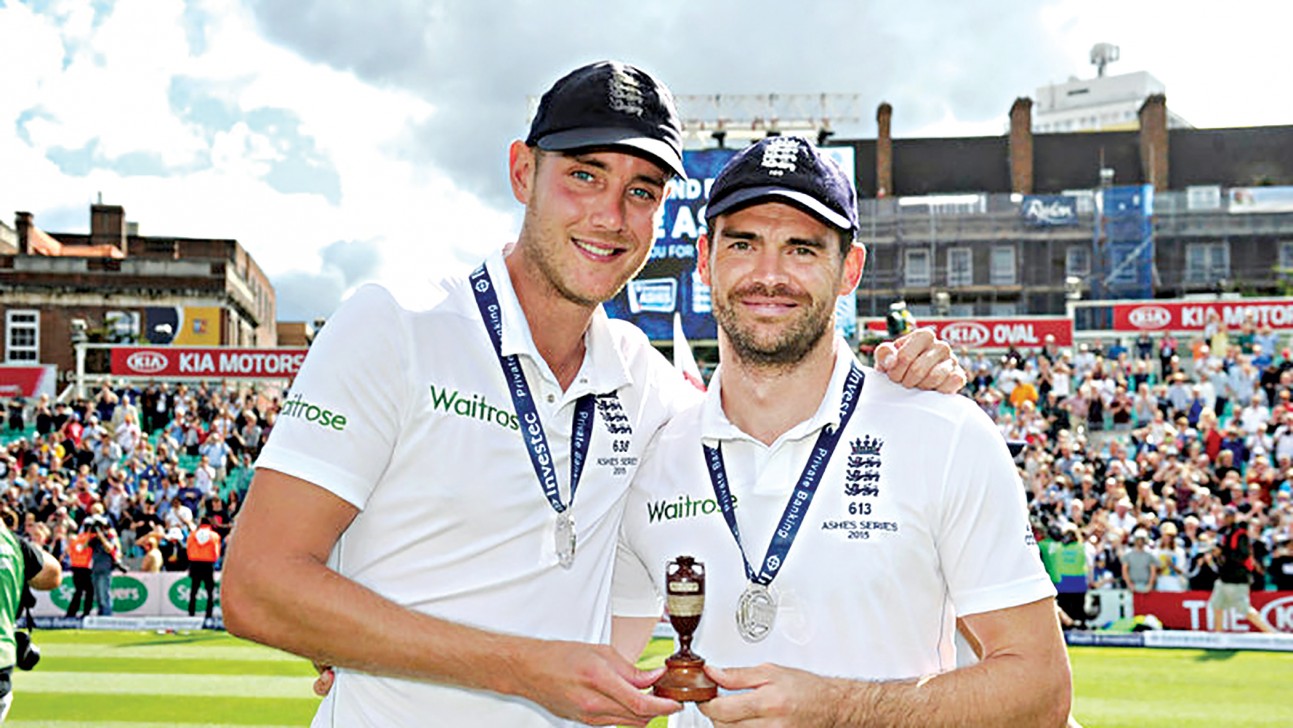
point(345, 141)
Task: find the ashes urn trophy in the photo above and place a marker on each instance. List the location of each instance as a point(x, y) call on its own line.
point(684, 678)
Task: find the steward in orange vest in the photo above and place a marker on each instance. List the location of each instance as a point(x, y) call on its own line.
point(81, 556)
point(204, 551)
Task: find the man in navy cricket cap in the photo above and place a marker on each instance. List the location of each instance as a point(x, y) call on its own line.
point(871, 517)
point(436, 515)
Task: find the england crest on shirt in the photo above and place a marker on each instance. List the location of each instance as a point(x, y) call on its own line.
point(862, 472)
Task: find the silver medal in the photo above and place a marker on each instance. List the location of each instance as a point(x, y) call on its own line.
point(565, 539)
point(755, 612)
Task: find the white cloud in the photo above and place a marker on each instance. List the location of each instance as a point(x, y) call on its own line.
point(114, 94)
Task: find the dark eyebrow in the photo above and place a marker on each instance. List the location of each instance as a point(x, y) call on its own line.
point(591, 161)
point(806, 243)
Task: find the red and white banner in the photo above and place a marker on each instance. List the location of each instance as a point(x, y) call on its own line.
point(994, 333)
point(1276, 313)
point(1189, 610)
point(207, 362)
point(18, 381)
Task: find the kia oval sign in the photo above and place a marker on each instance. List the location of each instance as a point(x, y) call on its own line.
point(1149, 317)
point(966, 333)
point(146, 362)
point(1279, 614)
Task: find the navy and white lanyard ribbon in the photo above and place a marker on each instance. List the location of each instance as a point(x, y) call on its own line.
point(797, 507)
point(536, 441)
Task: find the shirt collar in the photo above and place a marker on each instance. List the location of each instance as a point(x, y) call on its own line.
point(604, 368)
point(715, 427)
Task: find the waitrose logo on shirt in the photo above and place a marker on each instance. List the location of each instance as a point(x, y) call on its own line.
point(472, 406)
point(300, 409)
point(684, 506)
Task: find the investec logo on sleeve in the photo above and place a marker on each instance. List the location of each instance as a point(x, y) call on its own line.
point(471, 406)
point(300, 409)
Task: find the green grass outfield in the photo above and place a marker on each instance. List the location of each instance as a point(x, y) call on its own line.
point(212, 680)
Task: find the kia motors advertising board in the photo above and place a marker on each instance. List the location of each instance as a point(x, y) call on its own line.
point(994, 333)
point(216, 363)
point(1276, 313)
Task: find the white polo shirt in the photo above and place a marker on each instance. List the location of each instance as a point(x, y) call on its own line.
point(404, 413)
point(873, 583)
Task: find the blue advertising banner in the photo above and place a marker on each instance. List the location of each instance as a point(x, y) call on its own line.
point(668, 282)
point(1049, 210)
point(1124, 238)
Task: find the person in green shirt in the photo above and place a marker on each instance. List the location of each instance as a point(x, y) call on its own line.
point(21, 565)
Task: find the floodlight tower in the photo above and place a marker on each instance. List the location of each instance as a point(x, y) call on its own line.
point(1102, 54)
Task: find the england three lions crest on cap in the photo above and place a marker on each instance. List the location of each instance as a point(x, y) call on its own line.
point(780, 155)
point(624, 91)
point(862, 472)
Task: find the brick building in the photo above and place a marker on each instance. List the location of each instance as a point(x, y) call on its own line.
point(124, 287)
point(945, 215)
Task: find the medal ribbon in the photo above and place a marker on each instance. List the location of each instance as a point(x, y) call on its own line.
point(797, 507)
point(536, 441)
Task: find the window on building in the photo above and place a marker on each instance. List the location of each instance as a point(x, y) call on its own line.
point(1077, 261)
point(1286, 259)
point(1207, 262)
point(1002, 270)
point(960, 267)
point(22, 337)
point(1003, 308)
point(916, 268)
point(961, 310)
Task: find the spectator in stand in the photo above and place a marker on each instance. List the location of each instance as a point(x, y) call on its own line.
point(1234, 574)
point(128, 435)
point(1120, 409)
point(1173, 567)
point(1122, 517)
point(1167, 348)
point(1254, 415)
point(1203, 564)
point(215, 510)
point(204, 476)
point(105, 556)
point(44, 416)
point(1144, 405)
point(1139, 565)
point(193, 434)
point(1281, 569)
point(216, 452)
point(1179, 395)
point(178, 516)
point(152, 560)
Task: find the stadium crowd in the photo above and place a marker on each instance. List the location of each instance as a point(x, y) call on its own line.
point(143, 465)
point(1135, 450)
point(1138, 450)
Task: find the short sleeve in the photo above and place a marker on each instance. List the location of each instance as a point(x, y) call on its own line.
point(633, 593)
point(33, 560)
point(985, 541)
point(340, 421)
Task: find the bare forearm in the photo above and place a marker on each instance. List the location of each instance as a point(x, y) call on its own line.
point(308, 609)
point(1003, 691)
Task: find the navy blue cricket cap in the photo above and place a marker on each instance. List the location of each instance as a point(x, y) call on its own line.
point(786, 169)
point(610, 104)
